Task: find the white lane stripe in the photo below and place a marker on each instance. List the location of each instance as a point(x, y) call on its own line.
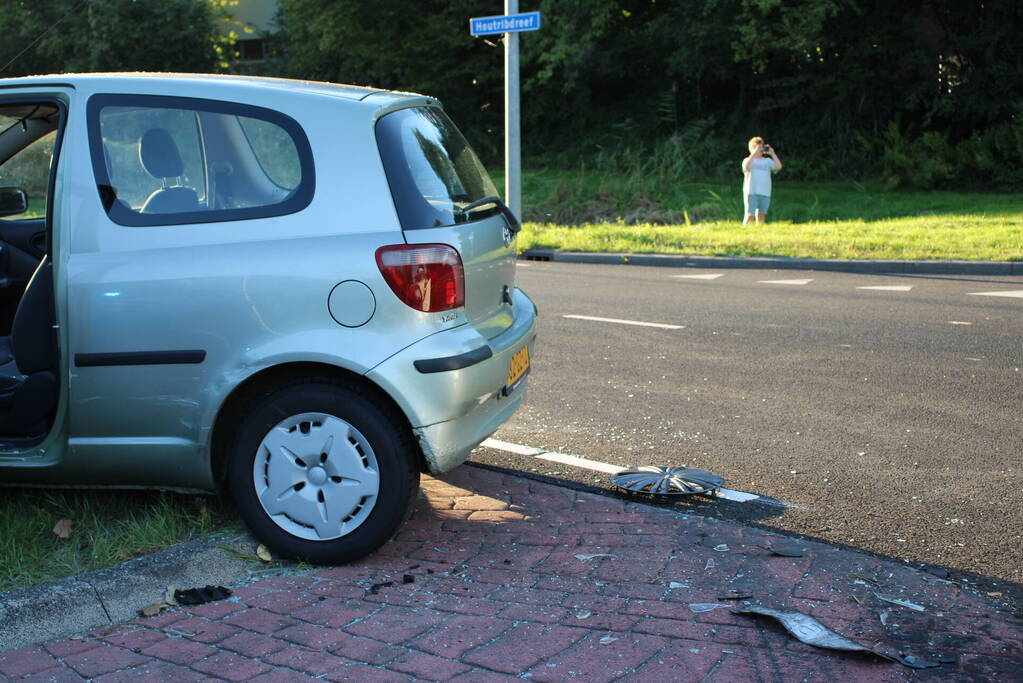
point(576, 461)
point(1016, 293)
point(785, 282)
point(624, 322)
point(737, 496)
point(511, 447)
point(890, 288)
point(594, 465)
point(710, 276)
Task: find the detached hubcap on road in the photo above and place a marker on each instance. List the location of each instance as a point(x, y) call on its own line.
point(316, 476)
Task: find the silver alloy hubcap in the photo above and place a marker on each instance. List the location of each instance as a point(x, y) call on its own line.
point(316, 476)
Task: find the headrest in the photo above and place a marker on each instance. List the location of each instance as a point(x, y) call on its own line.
point(159, 155)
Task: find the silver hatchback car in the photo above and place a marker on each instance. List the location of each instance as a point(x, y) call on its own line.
point(300, 293)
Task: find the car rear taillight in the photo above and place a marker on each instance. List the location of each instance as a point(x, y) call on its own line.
point(427, 277)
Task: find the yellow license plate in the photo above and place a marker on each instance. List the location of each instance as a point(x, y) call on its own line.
point(518, 365)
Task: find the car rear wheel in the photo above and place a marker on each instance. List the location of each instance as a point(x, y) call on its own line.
point(322, 472)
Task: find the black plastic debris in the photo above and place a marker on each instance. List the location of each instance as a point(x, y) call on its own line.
point(667, 481)
point(735, 595)
point(375, 588)
point(200, 596)
point(914, 662)
point(408, 578)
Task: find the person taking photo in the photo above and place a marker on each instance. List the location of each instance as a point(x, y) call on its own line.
point(756, 186)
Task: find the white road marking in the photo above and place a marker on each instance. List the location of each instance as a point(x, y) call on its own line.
point(594, 465)
point(511, 447)
point(624, 322)
point(890, 288)
point(576, 461)
point(1015, 293)
point(709, 276)
point(785, 282)
point(958, 322)
point(523, 265)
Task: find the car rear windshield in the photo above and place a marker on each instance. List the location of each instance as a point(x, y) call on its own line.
point(432, 171)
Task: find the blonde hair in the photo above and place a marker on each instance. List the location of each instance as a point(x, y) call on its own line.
point(754, 142)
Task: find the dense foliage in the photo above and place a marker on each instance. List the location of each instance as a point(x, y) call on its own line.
point(917, 93)
point(844, 88)
point(61, 36)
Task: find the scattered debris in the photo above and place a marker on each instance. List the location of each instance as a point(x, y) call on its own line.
point(805, 628)
point(200, 596)
point(659, 480)
point(865, 579)
point(901, 603)
point(460, 569)
point(808, 630)
point(940, 572)
point(375, 588)
point(263, 553)
point(607, 640)
point(590, 557)
point(676, 584)
point(152, 610)
point(63, 529)
point(583, 614)
point(168, 596)
point(408, 578)
point(705, 606)
point(734, 595)
point(996, 594)
point(912, 661)
point(721, 547)
point(884, 618)
point(710, 563)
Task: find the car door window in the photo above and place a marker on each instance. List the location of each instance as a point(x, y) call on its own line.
point(132, 168)
point(29, 169)
point(173, 161)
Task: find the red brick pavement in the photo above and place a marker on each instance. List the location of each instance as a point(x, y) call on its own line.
point(512, 578)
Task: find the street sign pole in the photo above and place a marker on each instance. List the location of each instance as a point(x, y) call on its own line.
point(512, 140)
point(510, 25)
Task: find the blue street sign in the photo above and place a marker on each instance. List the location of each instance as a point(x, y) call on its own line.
point(509, 23)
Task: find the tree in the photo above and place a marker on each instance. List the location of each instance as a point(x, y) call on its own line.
point(111, 35)
point(396, 44)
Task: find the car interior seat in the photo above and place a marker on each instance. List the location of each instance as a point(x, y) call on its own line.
point(28, 378)
point(160, 157)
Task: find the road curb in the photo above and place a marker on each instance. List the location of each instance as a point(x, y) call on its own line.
point(768, 263)
point(67, 607)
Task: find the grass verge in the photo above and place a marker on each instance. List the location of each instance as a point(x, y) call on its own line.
point(106, 528)
point(945, 238)
point(599, 212)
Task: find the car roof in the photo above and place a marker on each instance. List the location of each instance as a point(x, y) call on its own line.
point(179, 81)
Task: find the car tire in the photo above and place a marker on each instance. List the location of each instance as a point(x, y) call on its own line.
point(322, 472)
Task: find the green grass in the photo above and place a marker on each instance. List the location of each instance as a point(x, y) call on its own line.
point(109, 527)
point(590, 211)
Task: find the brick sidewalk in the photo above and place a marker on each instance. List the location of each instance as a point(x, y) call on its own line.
point(499, 577)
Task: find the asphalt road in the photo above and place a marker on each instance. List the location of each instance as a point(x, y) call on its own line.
point(889, 421)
